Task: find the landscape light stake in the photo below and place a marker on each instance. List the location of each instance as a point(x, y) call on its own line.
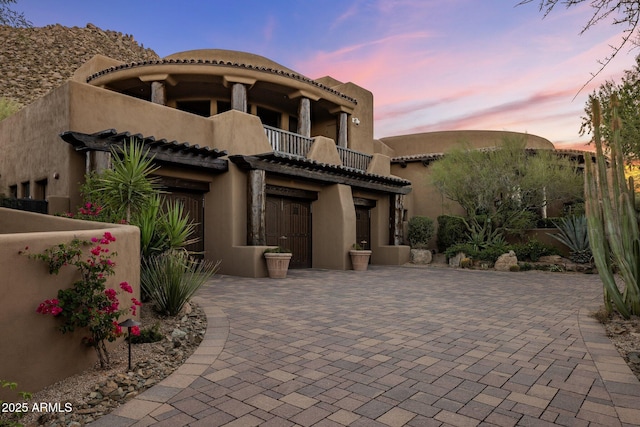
point(129, 323)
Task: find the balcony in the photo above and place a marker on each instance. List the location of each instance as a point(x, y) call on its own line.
point(298, 145)
point(354, 159)
point(288, 142)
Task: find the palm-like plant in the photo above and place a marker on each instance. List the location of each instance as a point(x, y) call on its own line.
point(574, 234)
point(128, 186)
point(163, 227)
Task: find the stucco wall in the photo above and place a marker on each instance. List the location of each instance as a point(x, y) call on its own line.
point(32, 149)
point(33, 352)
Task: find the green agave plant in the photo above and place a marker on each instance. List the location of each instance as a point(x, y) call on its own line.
point(574, 234)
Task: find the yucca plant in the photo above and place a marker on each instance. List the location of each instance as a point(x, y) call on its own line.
point(612, 220)
point(171, 279)
point(163, 227)
point(127, 187)
point(574, 235)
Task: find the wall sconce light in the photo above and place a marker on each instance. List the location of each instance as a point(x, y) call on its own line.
point(355, 121)
point(56, 175)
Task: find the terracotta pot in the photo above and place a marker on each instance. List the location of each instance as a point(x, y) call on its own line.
point(360, 259)
point(278, 264)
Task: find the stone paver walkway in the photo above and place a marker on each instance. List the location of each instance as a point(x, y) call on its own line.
point(397, 346)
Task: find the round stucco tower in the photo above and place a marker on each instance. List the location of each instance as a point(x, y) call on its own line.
point(211, 81)
point(441, 142)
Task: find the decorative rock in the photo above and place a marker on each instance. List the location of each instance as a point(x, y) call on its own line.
point(177, 333)
point(455, 261)
point(505, 261)
point(421, 256)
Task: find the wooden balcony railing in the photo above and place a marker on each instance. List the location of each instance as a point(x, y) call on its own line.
point(354, 159)
point(298, 145)
point(288, 142)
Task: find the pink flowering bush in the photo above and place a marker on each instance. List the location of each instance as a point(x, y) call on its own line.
point(88, 303)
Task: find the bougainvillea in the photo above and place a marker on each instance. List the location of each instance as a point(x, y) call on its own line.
point(88, 303)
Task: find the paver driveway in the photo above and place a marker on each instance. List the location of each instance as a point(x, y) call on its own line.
point(397, 346)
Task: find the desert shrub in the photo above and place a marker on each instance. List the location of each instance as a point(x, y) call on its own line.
point(451, 230)
point(420, 230)
point(467, 248)
point(171, 279)
point(547, 222)
point(491, 253)
point(533, 250)
point(147, 335)
point(514, 268)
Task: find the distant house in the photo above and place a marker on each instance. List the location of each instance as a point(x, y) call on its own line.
point(259, 154)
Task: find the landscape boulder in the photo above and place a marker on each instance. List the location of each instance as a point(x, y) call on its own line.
point(506, 261)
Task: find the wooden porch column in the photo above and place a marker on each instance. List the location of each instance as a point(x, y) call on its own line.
point(304, 117)
point(396, 236)
point(342, 130)
point(158, 93)
point(97, 161)
point(239, 97)
point(256, 207)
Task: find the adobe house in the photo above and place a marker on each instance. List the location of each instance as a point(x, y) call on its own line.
point(260, 155)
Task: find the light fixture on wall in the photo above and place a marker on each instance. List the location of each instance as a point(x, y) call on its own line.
point(56, 175)
point(355, 121)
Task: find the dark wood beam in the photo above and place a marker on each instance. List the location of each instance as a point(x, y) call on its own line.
point(162, 151)
point(323, 175)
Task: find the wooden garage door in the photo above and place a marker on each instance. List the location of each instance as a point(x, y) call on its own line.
point(290, 218)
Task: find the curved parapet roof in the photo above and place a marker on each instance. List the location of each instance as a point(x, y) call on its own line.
point(231, 65)
point(440, 142)
point(229, 56)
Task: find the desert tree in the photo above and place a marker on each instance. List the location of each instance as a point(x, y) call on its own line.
point(627, 94)
point(502, 186)
point(10, 17)
point(623, 13)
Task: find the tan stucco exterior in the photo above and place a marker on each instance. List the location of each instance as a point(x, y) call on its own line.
point(108, 94)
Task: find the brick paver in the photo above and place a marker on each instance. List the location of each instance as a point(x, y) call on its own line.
point(397, 346)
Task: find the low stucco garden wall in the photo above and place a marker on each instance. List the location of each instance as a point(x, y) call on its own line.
point(34, 353)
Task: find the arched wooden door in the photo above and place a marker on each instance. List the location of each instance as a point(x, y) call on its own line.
point(288, 224)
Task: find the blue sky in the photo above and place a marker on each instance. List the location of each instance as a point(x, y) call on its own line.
point(431, 64)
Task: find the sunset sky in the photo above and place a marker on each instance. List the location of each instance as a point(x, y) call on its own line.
point(431, 64)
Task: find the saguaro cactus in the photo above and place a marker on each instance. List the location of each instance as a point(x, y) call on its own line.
point(612, 221)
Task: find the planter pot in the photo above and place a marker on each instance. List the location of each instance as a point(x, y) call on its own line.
point(360, 259)
point(278, 264)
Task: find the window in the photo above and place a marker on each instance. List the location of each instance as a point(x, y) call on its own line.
point(26, 190)
point(13, 191)
point(41, 190)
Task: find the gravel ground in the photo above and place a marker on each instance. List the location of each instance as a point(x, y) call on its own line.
point(625, 335)
point(97, 392)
